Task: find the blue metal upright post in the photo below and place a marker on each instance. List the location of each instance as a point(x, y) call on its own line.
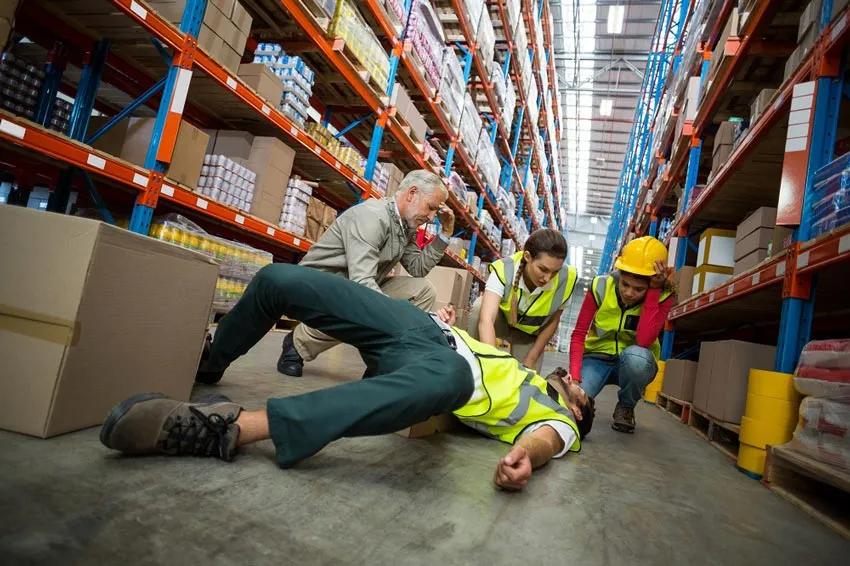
point(470, 256)
point(53, 71)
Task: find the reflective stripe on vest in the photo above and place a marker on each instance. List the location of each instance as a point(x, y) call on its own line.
point(514, 397)
point(545, 307)
point(608, 334)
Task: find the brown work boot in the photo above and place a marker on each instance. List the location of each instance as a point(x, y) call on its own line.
point(151, 423)
point(624, 419)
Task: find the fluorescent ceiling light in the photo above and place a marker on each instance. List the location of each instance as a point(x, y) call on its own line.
point(616, 18)
point(593, 220)
point(606, 107)
point(588, 262)
point(589, 252)
point(591, 237)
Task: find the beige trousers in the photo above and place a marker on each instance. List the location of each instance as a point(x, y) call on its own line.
point(521, 342)
point(420, 292)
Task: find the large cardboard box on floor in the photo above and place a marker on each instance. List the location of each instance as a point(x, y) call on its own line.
point(130, 139)
point(91, 314)
point(730, 371)
point(450, 284)
point(680, 377)
point(703, 380)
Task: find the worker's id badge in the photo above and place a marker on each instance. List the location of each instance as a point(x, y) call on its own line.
point(631, 322)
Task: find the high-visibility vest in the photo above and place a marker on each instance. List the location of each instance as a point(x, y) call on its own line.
point(547, 303)
point(614, 327)
point(512, 398)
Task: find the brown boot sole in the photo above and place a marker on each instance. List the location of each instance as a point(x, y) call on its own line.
point(623, 427)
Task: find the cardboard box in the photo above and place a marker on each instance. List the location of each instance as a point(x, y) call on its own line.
point(679, 379)
point(758, 240)
point(395, 178)
point(691, 105)
point(684, 280)
point(439, 423)
point(709, 276)
point(90, 319)
point(210, 42)
point(730, 374)
point(703, 381)
point(450, 284)
point(224, 6)
point(716, 247)
point(131, 138)
point(263, 80)
point(234, 144)
point(8, 8)
point(401, 100)
point(810, 18)
point(329, 217)
point(241, 19)
point(800, 53)
point(750, 261)
point(760, 103)
point(271, 160)
point(780, 241)
point(720, 155)
point(764, 217)
point(725, 134)
point(5, 32)
point(315, 217)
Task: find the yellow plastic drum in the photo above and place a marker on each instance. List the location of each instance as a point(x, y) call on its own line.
point(751, 458)
point(773, 384)
point(759, 434)
point(769, 410)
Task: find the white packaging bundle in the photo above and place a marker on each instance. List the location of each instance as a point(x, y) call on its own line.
point(473, 14)
point(486, 39)
point(470, 126)
point(509, 106)
point(451, 85)
point(227, 182)
point(293, 217)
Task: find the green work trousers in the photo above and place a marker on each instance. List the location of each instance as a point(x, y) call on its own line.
point(415, 374)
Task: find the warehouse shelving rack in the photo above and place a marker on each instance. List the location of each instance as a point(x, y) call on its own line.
point(778, 295)
point(173, 98)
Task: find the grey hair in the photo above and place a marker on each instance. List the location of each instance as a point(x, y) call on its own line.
point(426, 181)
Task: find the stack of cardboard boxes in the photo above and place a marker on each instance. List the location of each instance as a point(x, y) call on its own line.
point(224, 31)
point(715, 259)
point(721, 51)
point(690, 106)
point(130, 139)
point(268, 157)
point(262, 79)
point(724, 144)
point(319, 218)
point(453, 286)
point(7, 20)
point(406, 111)
point(752, 239)
point(760, 103)
point(807, 33)
point(680, 377)
point(720, 388)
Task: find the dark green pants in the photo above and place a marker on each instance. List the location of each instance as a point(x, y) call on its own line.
point(415, 373)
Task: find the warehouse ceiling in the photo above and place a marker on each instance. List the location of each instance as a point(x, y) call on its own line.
point(601, 52)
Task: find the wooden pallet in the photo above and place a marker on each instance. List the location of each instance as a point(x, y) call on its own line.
point(820, 490)
point(680, 410)
point(721, 435)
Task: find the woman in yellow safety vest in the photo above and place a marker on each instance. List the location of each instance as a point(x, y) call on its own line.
point(615, 340)
point(524, 297)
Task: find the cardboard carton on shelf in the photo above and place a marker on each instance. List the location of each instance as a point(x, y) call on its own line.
point(707, 277)
point(760, 103)
point(758, 240)
point(263, 80)
point(130, 139)
point(717, 248)
point(764, 217)
point(235, 144)
point(86, 324)
point(271, 160)
point(679, 379)
point(809, 19)
point(780, 241)
point(684, 281)
point(730, 371)
point(749, 261)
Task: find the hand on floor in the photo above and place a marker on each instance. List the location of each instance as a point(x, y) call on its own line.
point(513, 470)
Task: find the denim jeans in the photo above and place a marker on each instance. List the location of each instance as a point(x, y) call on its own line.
point(632, 370)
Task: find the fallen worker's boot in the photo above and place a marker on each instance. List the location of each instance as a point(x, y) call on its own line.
point(290, 362)
point(205, 374)
point(151, 423)
point(624, 419)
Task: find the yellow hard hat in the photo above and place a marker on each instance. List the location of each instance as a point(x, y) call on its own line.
point(639, 256)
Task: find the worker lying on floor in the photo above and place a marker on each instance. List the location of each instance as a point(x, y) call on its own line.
point(365, 243)
point(421, 366)
point(525, 296)
point(624, 312)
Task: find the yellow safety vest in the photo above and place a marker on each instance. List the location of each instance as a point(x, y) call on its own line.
point(547, 303)
point(514, 397)
point(614, 328)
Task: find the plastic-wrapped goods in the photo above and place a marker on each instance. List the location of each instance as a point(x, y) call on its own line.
point(293, 217)
point(238, 263)
point(470, 125)
point(514, 11)
point(823, 374)
point(510, 105)
point(488, 164)
point(396, 11)
point(497, 77)
point(486, 39)
point(831, 197)
point(508, 247)
point(474, 9)
point(225, 181)
point(348, 25)
point(457, 186)
point(452, 86)
point(426, 34)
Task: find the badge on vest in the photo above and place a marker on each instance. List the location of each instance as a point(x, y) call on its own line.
point(631, 322)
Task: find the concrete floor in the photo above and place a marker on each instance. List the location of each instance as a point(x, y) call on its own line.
point(661, 496)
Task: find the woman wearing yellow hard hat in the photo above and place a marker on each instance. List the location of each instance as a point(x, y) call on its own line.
point(615, 340)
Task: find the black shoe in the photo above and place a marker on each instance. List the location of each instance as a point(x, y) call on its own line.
point(290, 362)
point(624, 419)
point(204, 375)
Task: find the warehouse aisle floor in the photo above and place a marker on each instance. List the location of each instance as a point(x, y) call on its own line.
point(662, 496)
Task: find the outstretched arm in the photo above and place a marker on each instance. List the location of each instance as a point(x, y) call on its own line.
point(530, 452)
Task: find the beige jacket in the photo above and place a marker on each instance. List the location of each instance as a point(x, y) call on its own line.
point(367, 241)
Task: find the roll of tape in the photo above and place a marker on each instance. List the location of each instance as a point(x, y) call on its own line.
point(759, 434)
point(770, 410)
point(751, 458)
point(773, 384)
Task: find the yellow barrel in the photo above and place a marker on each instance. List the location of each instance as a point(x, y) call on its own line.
point(759, 434)
point(751, 458)
point(777, 412)
point(773, 384)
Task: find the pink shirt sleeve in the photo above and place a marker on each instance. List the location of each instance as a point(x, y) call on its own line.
point(585, 318)
point(652, 318)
